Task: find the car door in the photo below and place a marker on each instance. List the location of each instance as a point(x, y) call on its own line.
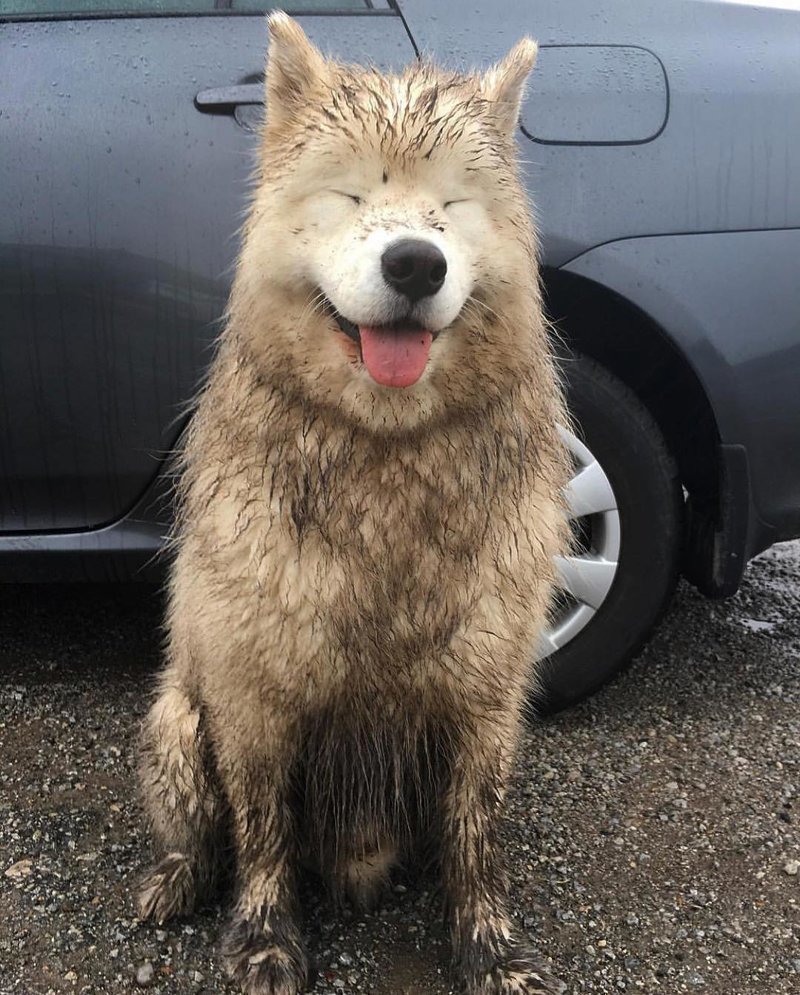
point(126, 143)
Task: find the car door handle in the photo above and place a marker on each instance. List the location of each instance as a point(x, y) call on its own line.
point(223, 98)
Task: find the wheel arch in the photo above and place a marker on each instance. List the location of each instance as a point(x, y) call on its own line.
point(600, 323)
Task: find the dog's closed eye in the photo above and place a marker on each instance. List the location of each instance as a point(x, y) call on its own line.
point(451, 203)
point(350, 196)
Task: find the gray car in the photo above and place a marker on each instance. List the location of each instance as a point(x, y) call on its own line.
point(661, 141)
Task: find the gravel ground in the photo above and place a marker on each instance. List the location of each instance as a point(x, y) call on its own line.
point(653, 832)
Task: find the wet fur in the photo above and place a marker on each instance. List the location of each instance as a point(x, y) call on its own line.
point(361, 574)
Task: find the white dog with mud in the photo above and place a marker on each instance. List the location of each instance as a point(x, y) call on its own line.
point(369, 510)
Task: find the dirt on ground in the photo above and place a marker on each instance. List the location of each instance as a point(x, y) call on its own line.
point(653, 832)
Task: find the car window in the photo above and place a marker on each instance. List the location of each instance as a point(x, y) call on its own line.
point(111, 8)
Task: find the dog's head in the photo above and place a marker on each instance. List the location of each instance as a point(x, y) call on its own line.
point(388, 261)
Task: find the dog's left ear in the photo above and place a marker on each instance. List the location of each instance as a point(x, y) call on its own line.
point(504, 84)
point(295, 68)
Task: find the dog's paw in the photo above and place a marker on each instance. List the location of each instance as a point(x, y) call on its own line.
point(520, 972)
point(168, 889)
point(263, 962)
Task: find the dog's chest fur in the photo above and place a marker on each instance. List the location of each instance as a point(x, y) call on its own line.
point(344, 551)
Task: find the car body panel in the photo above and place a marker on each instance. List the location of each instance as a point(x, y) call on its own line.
point(728, 157)
point(732, 303)
point(122, 200)
point(132, 548)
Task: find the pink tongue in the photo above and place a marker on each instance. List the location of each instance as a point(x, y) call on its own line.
point(395, 357)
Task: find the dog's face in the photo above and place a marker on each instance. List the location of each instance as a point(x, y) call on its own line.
point(389, 228)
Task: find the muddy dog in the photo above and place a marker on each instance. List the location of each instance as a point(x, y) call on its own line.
point(368, 513)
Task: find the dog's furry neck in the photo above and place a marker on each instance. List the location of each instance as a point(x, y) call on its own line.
point(312, 456)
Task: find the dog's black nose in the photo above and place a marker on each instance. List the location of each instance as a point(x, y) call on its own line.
point(414, 267)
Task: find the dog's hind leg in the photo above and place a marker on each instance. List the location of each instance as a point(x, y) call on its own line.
point(182, 801)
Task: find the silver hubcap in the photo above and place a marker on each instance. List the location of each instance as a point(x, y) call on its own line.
point(586, 576)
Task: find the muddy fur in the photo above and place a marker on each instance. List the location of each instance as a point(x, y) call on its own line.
point(361, 572)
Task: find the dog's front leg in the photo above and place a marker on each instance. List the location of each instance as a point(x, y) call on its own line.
point(486, 958)
point(263, 947)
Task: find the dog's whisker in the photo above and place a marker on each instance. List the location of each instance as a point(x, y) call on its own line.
point(314, 305)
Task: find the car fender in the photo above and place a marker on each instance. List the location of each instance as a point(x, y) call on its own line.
point(730, 303)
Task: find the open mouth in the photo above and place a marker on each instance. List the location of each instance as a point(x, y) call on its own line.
point(395, 354)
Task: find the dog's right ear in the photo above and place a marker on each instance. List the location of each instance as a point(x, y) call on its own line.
point(295, 68)
point(504, 84)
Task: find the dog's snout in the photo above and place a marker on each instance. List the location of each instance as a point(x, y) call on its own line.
point(414, 268)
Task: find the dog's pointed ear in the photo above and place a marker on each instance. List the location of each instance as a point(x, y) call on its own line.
point(504, 84)
point(295, 68)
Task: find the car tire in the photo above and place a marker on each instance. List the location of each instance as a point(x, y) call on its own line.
point(644, 528)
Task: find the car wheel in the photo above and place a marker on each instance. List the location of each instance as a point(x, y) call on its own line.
point(626, 504)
